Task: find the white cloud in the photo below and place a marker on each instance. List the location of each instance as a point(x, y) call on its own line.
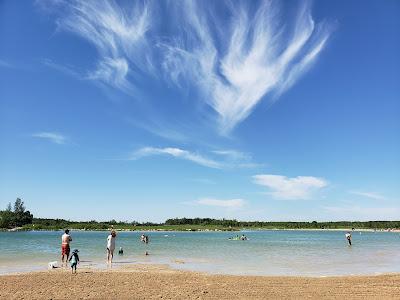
point(178, 153)
point(256, 54)
point(51, 136)
point(285, 188)
point(117, 34)
point(232, 203)
point(229, 159)
point(237, 159)
point(261, 56)
point(370, 195)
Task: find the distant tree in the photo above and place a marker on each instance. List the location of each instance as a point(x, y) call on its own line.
point(6, 219)
point(19, 207)
point(20, 216)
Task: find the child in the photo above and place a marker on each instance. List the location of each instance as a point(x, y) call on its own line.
point(74, 259)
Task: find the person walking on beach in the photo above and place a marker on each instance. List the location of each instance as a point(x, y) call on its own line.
point(74, 260)
point(65, 249)
point(348, 237)
point(111, 246)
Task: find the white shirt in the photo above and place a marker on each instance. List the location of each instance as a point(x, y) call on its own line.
point(348, 235)
point(111, 242)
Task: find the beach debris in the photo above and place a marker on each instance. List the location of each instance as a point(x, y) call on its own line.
point(178, 261)
point(53, 265)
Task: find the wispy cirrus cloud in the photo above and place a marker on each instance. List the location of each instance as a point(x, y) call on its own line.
point(53, 137)
point(369, 195)
point(177, 153)
point(259, 53)
point(117, 33)
point(230, 203)
point(239, 159)
point(68, 70)
point(286, 188)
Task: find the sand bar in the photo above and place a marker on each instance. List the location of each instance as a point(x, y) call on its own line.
point(160, 282)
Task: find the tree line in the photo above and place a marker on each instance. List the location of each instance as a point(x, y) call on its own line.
point(18, 216)
point(285, 225)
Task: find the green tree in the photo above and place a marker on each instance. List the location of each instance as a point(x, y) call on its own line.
point(19, 207)
point(6, 217)
point(21, 217)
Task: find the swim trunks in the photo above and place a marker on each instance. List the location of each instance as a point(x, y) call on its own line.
point(65, 249)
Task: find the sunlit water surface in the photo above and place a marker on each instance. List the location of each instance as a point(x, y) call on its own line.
point(308, 253)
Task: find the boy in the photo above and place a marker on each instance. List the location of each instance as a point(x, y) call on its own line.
point(74, 259)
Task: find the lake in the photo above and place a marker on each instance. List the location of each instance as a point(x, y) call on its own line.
point(270, 252)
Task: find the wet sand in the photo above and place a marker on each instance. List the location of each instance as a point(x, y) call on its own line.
point(160, 282)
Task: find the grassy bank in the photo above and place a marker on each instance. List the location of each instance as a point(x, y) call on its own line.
point(83, 226)
point(203, 224)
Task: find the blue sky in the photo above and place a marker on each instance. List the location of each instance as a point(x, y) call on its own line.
point(252, 110)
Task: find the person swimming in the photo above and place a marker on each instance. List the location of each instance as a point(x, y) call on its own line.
point(121, 251)
point(74, 260)
point(144, 238)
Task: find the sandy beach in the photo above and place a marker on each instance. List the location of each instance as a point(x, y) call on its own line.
point(161, 282)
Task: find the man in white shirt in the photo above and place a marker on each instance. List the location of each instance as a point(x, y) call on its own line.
point(111, 246)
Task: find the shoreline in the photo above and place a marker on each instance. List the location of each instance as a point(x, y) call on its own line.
point(163, 267)
point(244, 229)
point(175, 265)
point(141, 281)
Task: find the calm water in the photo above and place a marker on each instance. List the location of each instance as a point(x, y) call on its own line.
point(310, 253)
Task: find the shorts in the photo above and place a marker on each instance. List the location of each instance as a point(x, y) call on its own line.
point(65, 249)
point(74, 264)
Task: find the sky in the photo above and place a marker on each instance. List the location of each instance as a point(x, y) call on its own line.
point(148, 110)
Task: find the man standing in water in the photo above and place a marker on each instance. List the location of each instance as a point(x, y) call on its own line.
point(65, 249)
point(111, 246)
point(348, 237)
